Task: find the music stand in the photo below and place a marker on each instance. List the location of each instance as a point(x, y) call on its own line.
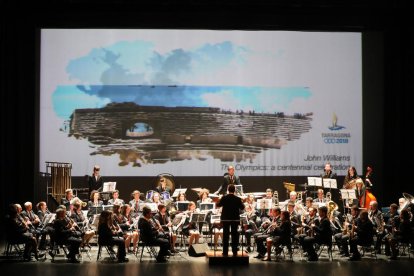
point(179, 191)
point(347, 194)
point(94, 210)
point(215, 219)
point(48, 219)
point(153, 207)
point(239, 190)
point(206, 206)
point(314, 181)
point(330, 183)
point(109, 187)
point(264, 204)
point(95, 221)
point(182, 206)
point(107, 207)
point(198, 218)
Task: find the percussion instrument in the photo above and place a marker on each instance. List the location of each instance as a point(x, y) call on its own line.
point(149, 194)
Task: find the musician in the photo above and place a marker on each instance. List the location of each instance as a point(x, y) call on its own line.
point(230, 217)
point(149, 234)
point(327, 172)
point(30, 215)
point(362, 234)
point(65, 233)
point(342, 238)
point(403, 204)
point(322, 234)
point(321, 197)
point(166, 224)
point(279, 236)
point(136, 203)
point(181, 197)
point(306, 222)
point(377, 220)
point(156, 198)
point(401, 234)
point(133, 227)
point(350, 178)
point(95, 181)
point(369, 176)
point(250, 228)
point(392, 222)
point(203, 197)
point(250, 200)
point(229, 178)
point(42, 210)
point(115, 199)
point(95, 200)
point(264, 231)
point(294, 217)
point(109, 235)
point(17, 232)
point(163, 186)
point(122, 224)
point(67, 199)
point(360, 192)
point(190, 228)
point(82, 223)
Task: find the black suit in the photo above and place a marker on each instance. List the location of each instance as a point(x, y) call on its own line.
point(329, 174)
point(230, 217)
point(95, 184)
point(226, 181)
point(150, 236)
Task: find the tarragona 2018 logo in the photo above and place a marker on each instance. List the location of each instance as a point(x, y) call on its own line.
point(335, 137)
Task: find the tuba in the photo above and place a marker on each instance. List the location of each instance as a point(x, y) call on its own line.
point(332, 206)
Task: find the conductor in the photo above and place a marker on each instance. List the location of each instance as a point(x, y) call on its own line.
point(230, 218)
point(229, 178)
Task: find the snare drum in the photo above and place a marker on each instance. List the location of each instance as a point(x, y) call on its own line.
point(149, 194)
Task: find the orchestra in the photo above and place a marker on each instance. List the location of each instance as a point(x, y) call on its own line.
point(265, 222)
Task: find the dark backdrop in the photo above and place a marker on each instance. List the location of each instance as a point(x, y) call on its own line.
point(387, 76)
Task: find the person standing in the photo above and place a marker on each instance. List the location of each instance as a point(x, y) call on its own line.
point(95, 181)
point(327, 172)
point(230, 218)
point(229, 178)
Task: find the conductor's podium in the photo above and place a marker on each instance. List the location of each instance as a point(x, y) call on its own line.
point(217, 258)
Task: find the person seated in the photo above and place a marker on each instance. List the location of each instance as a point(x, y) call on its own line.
point(190, 228)
point(321, 197)
point(66, 233)
point(279, 235)
point(322, 235)
point(122, 223)
point(133, 227)
point(80, 220)
point(343, 237)
point(166, 224)
point(115, 199)
point(108, 235)
point(362, 233)
point(402, 233)
point(150, 235)
point(136, 204)
point(181, 197)
point(17, 232)
point(156, 198)
point(94, 203)
point(265, 229)
point(67, 199)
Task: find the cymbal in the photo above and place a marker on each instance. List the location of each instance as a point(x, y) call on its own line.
point(408, 197)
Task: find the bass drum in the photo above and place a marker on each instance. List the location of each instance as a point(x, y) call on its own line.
point(169, 179)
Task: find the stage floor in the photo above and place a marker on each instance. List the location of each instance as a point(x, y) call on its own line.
point(184, 265)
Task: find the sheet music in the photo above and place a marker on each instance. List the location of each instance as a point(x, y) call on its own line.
point(329, 183)
point(314, 181)
point(264, 203)
point(204, 206)
point(109, 187)
point(179, 191)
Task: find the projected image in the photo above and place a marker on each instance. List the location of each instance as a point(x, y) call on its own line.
point(137, 102)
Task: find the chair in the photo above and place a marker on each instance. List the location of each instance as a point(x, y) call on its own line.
point(368, 248)
point(328, 247)
point(279, 250)
point(404, 247)
point(13, 248)
point(150, 249)
point(109, 250)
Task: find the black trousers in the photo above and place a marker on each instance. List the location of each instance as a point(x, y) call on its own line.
point(227, 228)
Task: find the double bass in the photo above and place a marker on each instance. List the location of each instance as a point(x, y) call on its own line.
point(364, 202)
